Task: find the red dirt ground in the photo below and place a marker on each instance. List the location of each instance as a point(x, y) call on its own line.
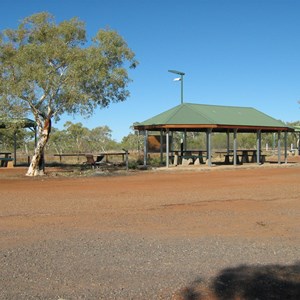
point(245, 201)
point(237, 201)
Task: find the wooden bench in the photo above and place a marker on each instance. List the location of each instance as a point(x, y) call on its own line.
point(262, 158)
point(193, 158)
point(5, 161)
point(239, 158)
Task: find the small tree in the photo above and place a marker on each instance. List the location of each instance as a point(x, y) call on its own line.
point(100, 139)
point(76, 136)
point(46, 69)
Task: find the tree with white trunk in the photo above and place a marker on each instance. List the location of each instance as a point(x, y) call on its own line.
point(49, 69)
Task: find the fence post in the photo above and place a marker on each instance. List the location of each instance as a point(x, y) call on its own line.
point(126, 158)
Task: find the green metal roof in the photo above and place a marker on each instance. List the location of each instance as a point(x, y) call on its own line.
point(202, 114)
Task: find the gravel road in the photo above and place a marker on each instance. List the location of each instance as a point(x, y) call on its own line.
point(100, 238)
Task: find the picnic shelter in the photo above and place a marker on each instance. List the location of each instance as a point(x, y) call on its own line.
point(232, 120)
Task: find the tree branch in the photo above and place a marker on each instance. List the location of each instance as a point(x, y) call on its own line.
point(40, 101)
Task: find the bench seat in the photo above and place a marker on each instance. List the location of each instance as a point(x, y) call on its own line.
point(262, 158)
point(4, 161)
point(239, 158)
point(193, 158)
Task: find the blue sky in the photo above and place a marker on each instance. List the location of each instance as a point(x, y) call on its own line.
point(234, 52)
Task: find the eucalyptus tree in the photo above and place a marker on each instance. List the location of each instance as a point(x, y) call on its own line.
point(77, 136)
point(100, 139)
point(133, 142)
point(49, 69)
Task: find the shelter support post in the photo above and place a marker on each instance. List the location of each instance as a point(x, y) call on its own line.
point(235, 147)
point(181, 145)
point(145, 147)
point(227, 141)
point(279, 147)
point(171, 144)
point(161, 147)
point(167, 148)
point(258, 146)
point(285, 147)
point(208, 146)
point(184, 141)
point(207, 143)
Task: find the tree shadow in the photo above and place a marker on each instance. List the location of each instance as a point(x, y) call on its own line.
point(274, 282)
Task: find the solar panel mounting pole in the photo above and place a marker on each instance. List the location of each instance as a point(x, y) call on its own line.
point(179, 79)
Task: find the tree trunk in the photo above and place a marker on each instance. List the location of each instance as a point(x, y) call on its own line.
point(37, 165)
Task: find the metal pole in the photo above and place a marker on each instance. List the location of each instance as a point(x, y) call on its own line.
point(145, 147)
point(181, 76)
point(181, 79)
point(258, 146)
point(227, 141)
point(279, 147)
point(285, 147)
point(234, 147)
point(161, 146)
point(208, 146)
point(167, 148)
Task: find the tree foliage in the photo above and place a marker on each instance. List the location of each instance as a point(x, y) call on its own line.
point(75, 138)
point(47, 70)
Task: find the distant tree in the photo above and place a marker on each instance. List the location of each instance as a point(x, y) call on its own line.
point(195, 140)
point(76, 136)
point(133, 141)
point(100, 139)
point(46, 70)
point(246, 140)
point(219, 140)
point(58, 141)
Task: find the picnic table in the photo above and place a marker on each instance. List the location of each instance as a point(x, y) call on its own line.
point(189, 156)
point(243, 156)
point(5, 158)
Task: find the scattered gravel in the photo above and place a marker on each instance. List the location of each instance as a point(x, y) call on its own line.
point(129, 266)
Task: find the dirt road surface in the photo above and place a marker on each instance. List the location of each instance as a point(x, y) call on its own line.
point(219, 233)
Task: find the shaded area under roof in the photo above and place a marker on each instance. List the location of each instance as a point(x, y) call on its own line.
point(199, 117)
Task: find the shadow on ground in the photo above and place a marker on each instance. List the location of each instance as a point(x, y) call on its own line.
point(248, 283)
